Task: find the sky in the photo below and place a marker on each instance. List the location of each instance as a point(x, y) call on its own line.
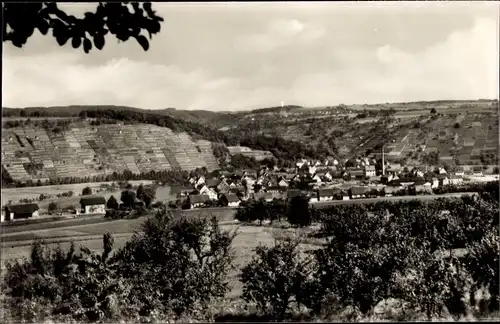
point(238, 56)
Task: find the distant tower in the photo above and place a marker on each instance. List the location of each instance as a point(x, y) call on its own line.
point(383, 161)
point(282, 107)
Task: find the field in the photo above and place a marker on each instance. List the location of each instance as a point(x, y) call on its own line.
point(17, 245)
point(16, 194)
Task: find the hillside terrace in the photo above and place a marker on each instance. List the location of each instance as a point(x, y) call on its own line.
point(85, 150)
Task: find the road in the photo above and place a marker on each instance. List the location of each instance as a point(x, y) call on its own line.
point(324, 204)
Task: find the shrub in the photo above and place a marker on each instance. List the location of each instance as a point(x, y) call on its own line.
point(86, 191)
point(52, 207)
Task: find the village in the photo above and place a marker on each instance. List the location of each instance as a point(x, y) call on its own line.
point(322, 181)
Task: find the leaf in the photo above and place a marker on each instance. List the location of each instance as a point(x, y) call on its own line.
point(61, 39)
point(76, 41)
point(143, 42)
point(99, 41)
point(87, 45)
point(43, 26)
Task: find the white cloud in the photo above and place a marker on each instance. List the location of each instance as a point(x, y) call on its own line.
point(301, 61)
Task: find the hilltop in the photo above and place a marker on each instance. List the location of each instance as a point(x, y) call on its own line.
point(45, 142)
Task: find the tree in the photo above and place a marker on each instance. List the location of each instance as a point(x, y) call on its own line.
point(275, 278)
point(52, 207)
point(112, 203)
point(298, 211)
point(183, 262)
point(86, 191)
point(123, 20)
point(433, 111)
point(128, 198)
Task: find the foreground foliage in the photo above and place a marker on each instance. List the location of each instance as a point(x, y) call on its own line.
point(433, 258)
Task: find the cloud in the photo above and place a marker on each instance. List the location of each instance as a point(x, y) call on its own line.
point(234, 61)
point(280, 33)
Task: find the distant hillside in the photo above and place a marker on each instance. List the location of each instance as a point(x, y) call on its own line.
point(196, 116)
point(79, 150)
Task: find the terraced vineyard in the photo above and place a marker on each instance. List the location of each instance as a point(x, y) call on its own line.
point(33, 153)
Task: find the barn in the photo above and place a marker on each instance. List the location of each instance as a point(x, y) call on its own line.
point(21, 211)
point(93, 205)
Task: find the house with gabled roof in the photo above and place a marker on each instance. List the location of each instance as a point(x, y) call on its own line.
point(230, 200)
point(282, 183)
point(358, 192)
point(93, 205)
point(212, 183)
point(198, 200)
point(211, 193)
point(326, 194)
point(20, 211)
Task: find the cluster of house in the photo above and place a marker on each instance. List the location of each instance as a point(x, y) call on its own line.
point(90, 205)
point(230, 188)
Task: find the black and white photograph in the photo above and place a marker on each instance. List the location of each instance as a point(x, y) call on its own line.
point(286, 161)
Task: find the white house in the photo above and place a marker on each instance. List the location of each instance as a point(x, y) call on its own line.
point(93, 205)
point(212, 195)
point(370, 171)
point(232, 200)
point(312, 170)
point(423, 186)
point(201, 181)
point(442, 171)
point(301, 163)
point(328, 176)
point(317, 178)
point(444, 181)
point(283, 183)
point(435, 183)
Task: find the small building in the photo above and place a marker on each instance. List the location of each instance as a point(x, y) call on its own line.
point(456, 180)
point(357, 173)
point(283, 184)
point(212, 183)
point(391, 190)
point(443, 180)
point(212, 195)
point(460, 172)
point(230, 200)
point(435, 183)
point(370, 171)
point(93, 205)
point(326, 194)
point(358, 192)
point(20, 211)
point(422, 186)
point(267, 196)
point(198, 200)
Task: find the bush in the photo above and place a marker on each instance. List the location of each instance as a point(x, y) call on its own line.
point(86, 191)
point(52, 207)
